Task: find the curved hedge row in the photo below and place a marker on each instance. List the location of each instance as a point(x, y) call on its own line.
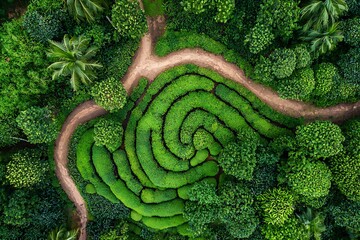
point(173, 134)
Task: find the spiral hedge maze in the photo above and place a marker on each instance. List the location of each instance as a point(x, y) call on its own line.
point(175, 128)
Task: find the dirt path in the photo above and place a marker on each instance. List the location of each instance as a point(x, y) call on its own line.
point(82, 113)
point(146, 64)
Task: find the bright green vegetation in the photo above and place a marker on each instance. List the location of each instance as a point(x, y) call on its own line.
point(191, 155)
point(187, 114)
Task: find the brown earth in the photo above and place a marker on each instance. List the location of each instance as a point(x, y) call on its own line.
point(147, 64)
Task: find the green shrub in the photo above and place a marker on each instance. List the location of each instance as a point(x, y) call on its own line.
point(283, 62)
point(109, 133)
point(346, 173)
point(320, 139)
point(259, 38)
point(298, 86)
point(324, 75)
point(128, 18)
point(38, 124)
point(89, 188)
point(277, 206)
point(303, 58)
point(347, 215)
point(26, 169)
point(109, 94)
point(290, 230)
point(312, 181)
point(263, 71)
point(184, 191)
point(349, 64)
point(238, 160)
point(351, 28)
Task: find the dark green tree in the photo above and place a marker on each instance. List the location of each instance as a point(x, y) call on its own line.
point(38, 124)
point(20, 207)
point(351, 28)
point(347, 215)
point(349, 64)
point(309, 179)
point(224, 8)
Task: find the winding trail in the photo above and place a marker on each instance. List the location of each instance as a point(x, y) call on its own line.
point(147, 64)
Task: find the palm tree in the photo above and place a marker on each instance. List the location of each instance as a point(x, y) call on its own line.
point(73, 58)
point(320, 14)
point(313, 223)
point(323, 41)
point(62, 234)
point(85, 9)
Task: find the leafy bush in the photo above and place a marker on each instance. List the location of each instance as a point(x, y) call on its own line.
point(347, 214)
point(324, 74)
point(349, 64)
point(224, 8)
point(109, 94)
point(282, 16)
point(263, 71)
point(351, 131)
point(313, 180)
point(9, 131)
point(303, 58)
point(128, 18)
point(109, 133)
point(283, 62)
point(290, 230)
point(277, 206)
point(43, 27)
point(23, 69)
point(351, 32)
point(320, 139)
point(238, 160)
point(345, 169)
point(38, 124)
point(259, 38)
point(298, 86)
point(26, 169)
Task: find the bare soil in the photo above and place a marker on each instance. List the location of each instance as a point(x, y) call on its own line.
point(147, 64)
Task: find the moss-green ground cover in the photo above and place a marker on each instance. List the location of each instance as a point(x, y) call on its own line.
point(171, 141)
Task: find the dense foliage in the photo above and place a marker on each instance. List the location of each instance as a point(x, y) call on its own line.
point(110, 94)
point(188, 154)
point(128, 18)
